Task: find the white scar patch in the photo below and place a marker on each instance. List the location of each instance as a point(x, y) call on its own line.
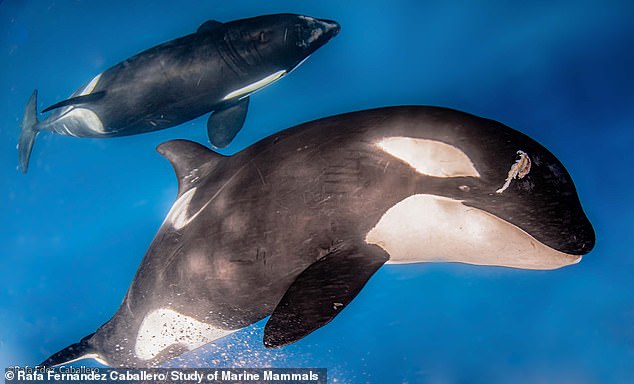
point(315, 33)
point(518, 170)
point(430, 157)
point(255, 86)
point(164, 327)
point(428, 228)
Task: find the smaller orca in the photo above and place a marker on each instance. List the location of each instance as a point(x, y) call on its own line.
point(295, 225)
point(212, 70)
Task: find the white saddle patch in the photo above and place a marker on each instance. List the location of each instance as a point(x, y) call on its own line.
point(430, 157)
point(90, 86)
point(178, 215)
point(428, 228)
point(164, 327)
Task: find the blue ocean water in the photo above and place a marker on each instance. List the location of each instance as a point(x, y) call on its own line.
point(75, 228)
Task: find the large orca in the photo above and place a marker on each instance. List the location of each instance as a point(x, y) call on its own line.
point(214, 69)
point(296, 224)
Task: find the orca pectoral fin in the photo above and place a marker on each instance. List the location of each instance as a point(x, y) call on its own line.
point(321, 292)
point(224, 124)
point(89, 98)
point(209, 25)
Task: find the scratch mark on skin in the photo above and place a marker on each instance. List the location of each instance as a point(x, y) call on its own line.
point(285, 33)
point(127, 304)
point(259, 173)
point(324, 200)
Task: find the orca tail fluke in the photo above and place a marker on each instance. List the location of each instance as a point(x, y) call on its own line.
point(72, 353)
point(29, 132)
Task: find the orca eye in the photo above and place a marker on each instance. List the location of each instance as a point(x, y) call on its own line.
point(263, 37)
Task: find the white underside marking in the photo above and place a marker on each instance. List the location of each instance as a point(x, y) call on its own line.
point(430, 157)
point(245, 91)
point(68, 131)
point(164, 327)
point(94, 356)
point(428, 228)
point(88, 119)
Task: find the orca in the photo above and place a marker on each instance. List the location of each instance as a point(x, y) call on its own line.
point(293, 226)
point(213, 70)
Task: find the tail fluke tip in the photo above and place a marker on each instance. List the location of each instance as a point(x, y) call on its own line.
point(28, 133)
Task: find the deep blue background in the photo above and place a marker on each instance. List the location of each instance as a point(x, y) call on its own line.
point(74, 229)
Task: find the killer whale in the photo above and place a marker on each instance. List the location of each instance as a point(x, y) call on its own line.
point(213, 70)
point(293, 226)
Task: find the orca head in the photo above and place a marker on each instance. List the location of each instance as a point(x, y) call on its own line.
point(263, 49)
point(483, 194)
point(280, 41)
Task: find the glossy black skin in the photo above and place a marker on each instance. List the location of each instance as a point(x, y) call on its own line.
point(277, 207)
point(185, 78)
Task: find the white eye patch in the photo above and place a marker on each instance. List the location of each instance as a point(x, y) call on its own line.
point(430, 157)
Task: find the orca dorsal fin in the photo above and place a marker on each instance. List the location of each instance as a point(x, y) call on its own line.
point(83, 99)
point(209, 25)
point(190, 161)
